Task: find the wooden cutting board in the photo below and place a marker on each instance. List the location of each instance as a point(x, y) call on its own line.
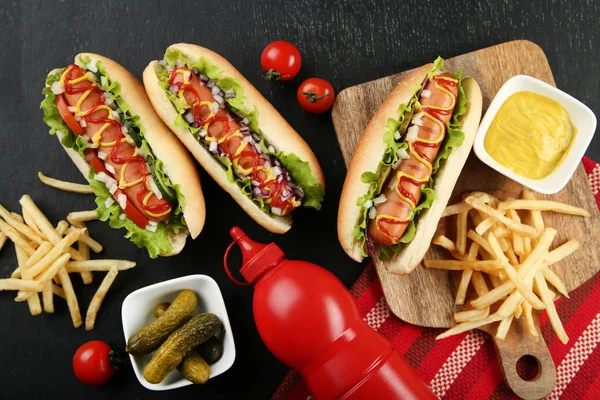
point(426, 297)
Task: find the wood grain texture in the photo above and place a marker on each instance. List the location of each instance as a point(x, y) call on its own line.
point(425, 296)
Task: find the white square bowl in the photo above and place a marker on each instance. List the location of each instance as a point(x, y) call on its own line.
point(137, 312)
point(581, 116)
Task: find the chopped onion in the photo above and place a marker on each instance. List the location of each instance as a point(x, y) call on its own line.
point(203, 77)
point(256, 137)
point(229, 94)
point(210, 83)
point(257, 191)
point(245, 121)
point(189, 117)
point(215, 108)
point(109, 202)
point(202, 133)
point(247, 139)
point(215, 90)
point(91, 66)
point(417, 120)
point(267, 164)
point(71, 109)
point(402, 154)
point(245, 129)
point(162, 62)
point(266, 192)
point(213, 146)
point(271, 148)
point(103, 81)
point(110, 168)
point(83, 123)
point(173, 89)
point(372, 213)
point(151, 228)
point(122, 217)
point(115, 115)
point(122, 200)
point(195, 71)
point(86, 137)
point(141, 153)
point(108, 100)
point(112, 189)
point(379, 200)
point(102, 177)
point(57, 88)
point(188, 75)
point(286, 192)
point(258, 149)
point(154, 188)
point(218, 98)
point(124, 129)
point(412, 133)
point(299, 191)
point(276, 210)
point(426, 94)
point(255, 183)
point(393, 183)
point(437, 72)
point(397, 135)
point(277, 171)
point(77, 118)
point(102, 155)
point(368, 204)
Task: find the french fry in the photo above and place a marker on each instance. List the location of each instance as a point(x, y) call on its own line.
point(502, 233)
point(72, 302)
point(495, 247)
point(503, 327)
point(2, 239)
point(88, 241)
point(82, 216)
point(482, 242)
point(523, 229)
point(461, 232)
point(555, 281)
point(523, 289)
point(48, 298)
point(20, 284)
point(92, 312)
point(44, 225)
point(16, 237)
point(39, 254)
point(56, 266)
point(544, 292)
point(98, 265)
point(66, 186)
point(516, 238)
point(467, 326)
point(456, 209)
point(543, 205)
point(489, 266)
point(58, 291)
point(479, 284)
point(519, 310)
point(512, 257)
point(529, 319)
point(33, 301)
point(485, 225)
point(461, 292)
point(444, 242)
point(470, 315)
point(61, 228)
point(475, 217)
point(30, 223)
point(18, 225)
point(61, 247)
point(562, 251)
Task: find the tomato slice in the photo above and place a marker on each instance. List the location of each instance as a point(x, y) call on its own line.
point(133, 213)
point(66, 115)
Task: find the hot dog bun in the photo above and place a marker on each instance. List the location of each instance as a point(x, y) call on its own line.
point(272, 125)
point(178, 165)
point(367, 156)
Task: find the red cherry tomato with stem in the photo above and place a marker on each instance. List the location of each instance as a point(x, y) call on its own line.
point(280, 61)
point(315, 95)
point(94, 362)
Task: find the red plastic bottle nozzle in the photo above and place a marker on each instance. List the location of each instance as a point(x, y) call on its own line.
point(257, 258)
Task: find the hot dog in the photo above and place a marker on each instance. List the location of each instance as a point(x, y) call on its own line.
point(405, 167)
point(235, 134)
point(143, 178)
point(437, 99)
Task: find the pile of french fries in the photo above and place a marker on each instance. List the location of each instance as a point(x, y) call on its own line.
point(45, 257)
point(506, 261)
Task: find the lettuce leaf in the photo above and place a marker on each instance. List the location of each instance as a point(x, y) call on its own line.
point(454, 138)
point(153, 241)
point(299, 170)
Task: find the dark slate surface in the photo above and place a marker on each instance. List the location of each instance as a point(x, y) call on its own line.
point(345, 42)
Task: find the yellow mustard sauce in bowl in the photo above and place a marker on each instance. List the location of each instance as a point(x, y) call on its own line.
point(531, 134)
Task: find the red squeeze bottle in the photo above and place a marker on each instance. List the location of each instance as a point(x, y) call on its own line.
point(309, 321)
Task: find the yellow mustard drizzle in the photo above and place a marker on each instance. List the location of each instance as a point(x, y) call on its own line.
point(122, 183)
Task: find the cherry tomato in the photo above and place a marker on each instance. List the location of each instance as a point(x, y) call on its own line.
point(315, 95)
point(66, 115)
point(93, 362)
point(280, 61)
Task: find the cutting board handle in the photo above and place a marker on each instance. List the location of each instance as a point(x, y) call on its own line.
point(519, 343)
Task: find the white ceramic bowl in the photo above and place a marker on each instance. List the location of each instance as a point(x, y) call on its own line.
point(137, 312)
point(581, 116)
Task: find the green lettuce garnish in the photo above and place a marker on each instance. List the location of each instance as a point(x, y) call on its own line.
point(152, 241)
point(454, 138)
point(299, 170)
